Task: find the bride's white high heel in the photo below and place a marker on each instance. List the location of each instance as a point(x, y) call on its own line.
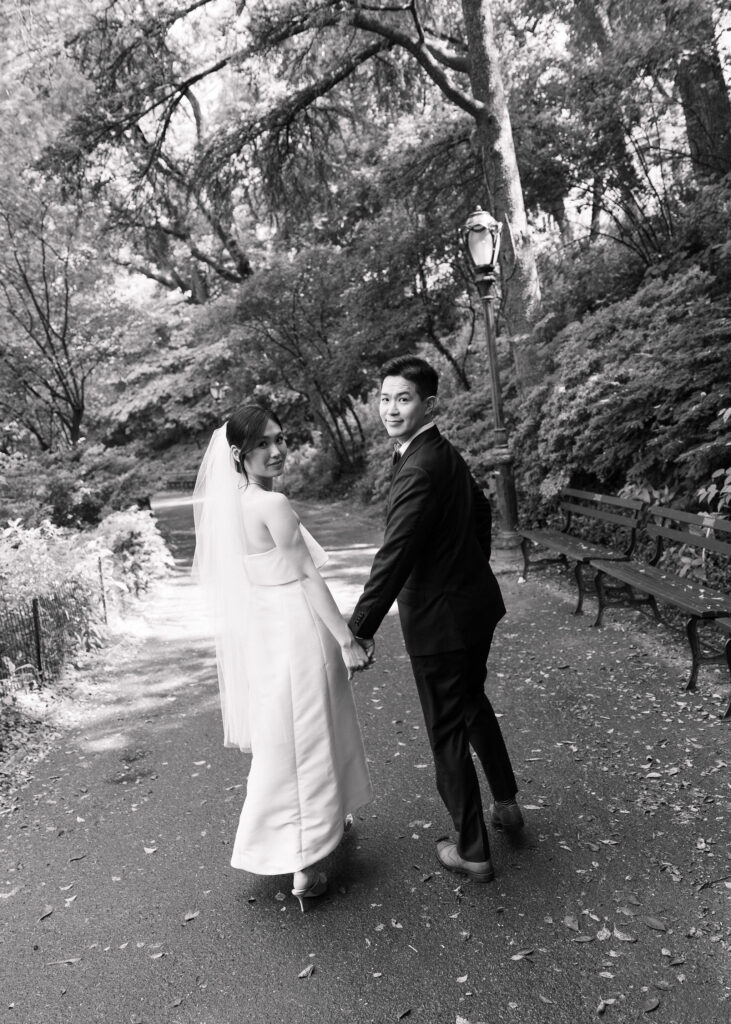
point(315, 885)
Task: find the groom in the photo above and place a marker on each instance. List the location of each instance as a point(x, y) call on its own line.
point(435, 560)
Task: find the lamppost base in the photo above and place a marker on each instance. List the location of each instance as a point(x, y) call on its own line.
point(506, 540)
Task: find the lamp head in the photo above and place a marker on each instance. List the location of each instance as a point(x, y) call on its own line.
point(218, 390)
point(481, 235)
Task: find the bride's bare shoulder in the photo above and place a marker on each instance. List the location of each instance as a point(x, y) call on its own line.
point(272, 502)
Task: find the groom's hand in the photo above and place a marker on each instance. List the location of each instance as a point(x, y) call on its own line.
point(369, 646)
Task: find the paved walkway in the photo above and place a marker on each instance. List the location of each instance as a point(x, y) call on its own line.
point(118, 903)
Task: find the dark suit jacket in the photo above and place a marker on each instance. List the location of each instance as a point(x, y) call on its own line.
point(435, 554)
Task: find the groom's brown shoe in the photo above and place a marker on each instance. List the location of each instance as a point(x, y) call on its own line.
point(477, 870)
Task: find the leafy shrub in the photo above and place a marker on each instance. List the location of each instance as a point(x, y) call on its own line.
point(635, 395)
point(37, 562)
point(587, 278)
point(72, 487)
point(311, 471)
point(138, 552)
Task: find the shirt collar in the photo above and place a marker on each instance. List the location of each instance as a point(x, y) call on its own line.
point(421, 430)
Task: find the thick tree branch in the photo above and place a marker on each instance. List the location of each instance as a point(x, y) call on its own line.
point(422, 54)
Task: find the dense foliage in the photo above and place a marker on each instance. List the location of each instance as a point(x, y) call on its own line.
point(270, 196)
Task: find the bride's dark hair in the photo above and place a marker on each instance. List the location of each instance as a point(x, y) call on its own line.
point(245, 429)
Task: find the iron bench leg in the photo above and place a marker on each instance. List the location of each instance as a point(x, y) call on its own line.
point(525, 545)
point(624, 597)
point(601, 594)
point(582, 589)
point(691, 629)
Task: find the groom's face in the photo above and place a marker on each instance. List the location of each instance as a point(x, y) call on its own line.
point(402, 410)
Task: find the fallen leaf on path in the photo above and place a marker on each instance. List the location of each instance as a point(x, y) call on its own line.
point(623, 936)
point(404, 1013)
point(150, 849)
point(650, 1005)
point(463, 978)
point(522, 954)
point(191, 915)
point(603, 1004)
point(157, 956)
point(307, 971)
point(571, 922)
point(655, 923)
point(71, 960)
point(603, 934)
point(47, 911)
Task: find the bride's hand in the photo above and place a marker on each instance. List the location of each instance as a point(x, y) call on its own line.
point(354, 656)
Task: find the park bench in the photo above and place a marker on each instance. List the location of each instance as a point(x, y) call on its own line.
point(582, 510)
point(635, 583)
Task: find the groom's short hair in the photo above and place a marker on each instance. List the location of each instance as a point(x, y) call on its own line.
point(421, 374)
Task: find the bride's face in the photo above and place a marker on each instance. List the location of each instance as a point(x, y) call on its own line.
point(266, 460)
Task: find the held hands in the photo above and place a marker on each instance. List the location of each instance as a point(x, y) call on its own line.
point(357, 654)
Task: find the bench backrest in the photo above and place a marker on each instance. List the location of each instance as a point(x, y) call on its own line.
point(702, 530)
point(604, 508)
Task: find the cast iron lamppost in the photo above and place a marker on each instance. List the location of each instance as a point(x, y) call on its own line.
point(481, 235)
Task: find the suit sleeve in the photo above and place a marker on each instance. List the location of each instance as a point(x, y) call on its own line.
point(412, 514)
point(483, 518)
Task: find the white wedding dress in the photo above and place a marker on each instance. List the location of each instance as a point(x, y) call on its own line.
point(308, 767)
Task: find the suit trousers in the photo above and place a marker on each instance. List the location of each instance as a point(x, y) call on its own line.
point(458, 716)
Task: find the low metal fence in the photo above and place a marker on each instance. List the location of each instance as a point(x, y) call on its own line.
point(38, 636)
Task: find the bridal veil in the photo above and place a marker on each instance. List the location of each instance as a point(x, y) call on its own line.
point(220, 568)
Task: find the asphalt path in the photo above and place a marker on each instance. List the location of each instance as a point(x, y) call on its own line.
point(118, 903)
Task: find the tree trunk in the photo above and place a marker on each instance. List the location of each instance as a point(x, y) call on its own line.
point(705, 101)
point(597, 206)
point(521, 288)
point(557, 210)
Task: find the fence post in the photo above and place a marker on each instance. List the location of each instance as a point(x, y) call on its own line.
point(103, 591)
point(38, 638)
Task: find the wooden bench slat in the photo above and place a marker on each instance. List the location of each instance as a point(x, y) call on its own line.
point(696, 540)
point(621, 519)
point(689, 597)
point(635, 504)
point(573, 547)
point(705, 520)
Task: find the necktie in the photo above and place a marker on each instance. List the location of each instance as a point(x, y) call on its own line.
point(396, 454)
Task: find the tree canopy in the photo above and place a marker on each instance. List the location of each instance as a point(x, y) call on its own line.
point(271, 194)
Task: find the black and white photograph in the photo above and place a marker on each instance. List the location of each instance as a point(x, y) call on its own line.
point(365, 511)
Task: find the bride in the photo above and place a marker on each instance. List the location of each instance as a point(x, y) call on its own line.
point(284, 654)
